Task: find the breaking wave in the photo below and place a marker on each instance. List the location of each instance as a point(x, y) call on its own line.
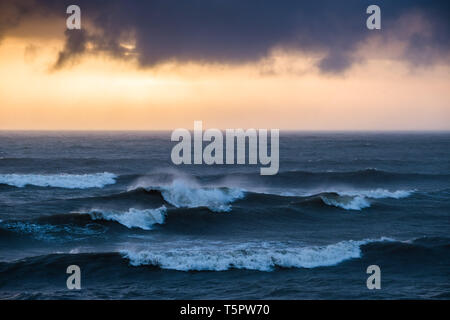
point(187, 194)
point(63, 180)
point(133, 218)
point(262, 258)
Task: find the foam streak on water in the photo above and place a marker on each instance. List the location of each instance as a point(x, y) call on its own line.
point(62, 180)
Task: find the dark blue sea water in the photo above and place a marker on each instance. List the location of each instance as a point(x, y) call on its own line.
point(139, 227)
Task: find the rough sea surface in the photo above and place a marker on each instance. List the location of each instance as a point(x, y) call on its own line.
point(142, 228)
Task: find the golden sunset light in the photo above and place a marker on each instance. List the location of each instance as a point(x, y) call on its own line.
point(284, 90)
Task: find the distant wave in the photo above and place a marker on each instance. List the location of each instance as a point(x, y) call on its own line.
point(185, 194)
point(168, 175)
point(285, 179)
point(351, 190)
point(259, 258)
point(63, 180)
point(220, 199)
point(133, 218)
point(316, 180)
point(370, 174)
point(344, 199)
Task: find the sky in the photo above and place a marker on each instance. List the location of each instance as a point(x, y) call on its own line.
point(160, 65)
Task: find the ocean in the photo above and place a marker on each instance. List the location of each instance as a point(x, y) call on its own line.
point(140, 227)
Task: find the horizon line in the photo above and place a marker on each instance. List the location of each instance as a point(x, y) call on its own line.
point(284, 130)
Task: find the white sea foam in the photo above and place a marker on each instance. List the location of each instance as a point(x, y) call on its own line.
point(63, 180)
point(133, 218)
point(262, 258)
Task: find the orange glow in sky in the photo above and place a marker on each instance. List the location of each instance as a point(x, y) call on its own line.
point(284, 91)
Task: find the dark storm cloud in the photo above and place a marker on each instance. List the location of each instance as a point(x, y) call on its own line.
point(12, 12)
point(237, 31)
point(75, 45)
